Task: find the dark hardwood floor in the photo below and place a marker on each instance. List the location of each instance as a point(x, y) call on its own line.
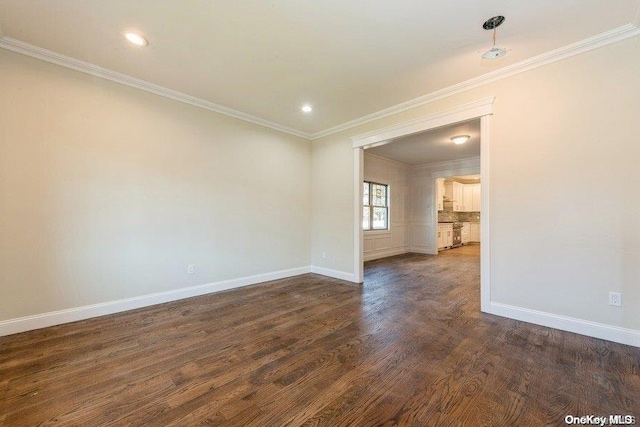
point(409, 347)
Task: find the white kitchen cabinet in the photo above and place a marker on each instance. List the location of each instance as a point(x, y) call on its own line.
point(445, 235)
point(458, 197)
point(448, 190)
point(465, 233)
point(471, 198)
point(476, 199)
point(467, 199)
point(474, 232)
point(454, 191)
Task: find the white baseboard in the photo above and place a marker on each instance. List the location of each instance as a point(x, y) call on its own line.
point(570, 324)
point(579, 326)
point(28, 323)
point(337, 274)
point(370, 256)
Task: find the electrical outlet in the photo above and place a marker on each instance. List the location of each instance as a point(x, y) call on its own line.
point(324, 255)
point(615, 298)
point(191, 269)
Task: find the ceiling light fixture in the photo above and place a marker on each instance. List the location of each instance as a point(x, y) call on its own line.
point(460, 139)
point(136, 39)
point(495, 51)
point(307, 108)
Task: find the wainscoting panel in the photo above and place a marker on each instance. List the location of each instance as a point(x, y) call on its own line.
point(381, 242)
point(420, 238)
point(384, 244)
point(368, 244)
point(399, 235)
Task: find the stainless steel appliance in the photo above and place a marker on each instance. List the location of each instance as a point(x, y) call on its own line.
point(457, 234)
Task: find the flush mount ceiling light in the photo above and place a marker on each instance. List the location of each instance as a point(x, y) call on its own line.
point(460, 139)
point(136, 39)
point(307, 108)
point(495, 51)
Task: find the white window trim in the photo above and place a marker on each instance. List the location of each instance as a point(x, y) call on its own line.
point(388, 229)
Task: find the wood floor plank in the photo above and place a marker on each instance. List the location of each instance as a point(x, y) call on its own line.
point(409, 347)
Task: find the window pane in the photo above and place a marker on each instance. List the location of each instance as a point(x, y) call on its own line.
point(366, 221)
point(379, 218)
point(379, 195)
point(365, 194)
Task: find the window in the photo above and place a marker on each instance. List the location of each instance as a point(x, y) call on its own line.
point(375, 215)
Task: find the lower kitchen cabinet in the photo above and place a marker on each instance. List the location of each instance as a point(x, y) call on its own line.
point(465, 232)
point(445, 235)
point(474, 232)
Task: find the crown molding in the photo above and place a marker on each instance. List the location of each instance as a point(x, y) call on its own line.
point(603, 39)
point(23, 48)
point(476, 109)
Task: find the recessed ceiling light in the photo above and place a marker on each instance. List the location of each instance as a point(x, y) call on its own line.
point(307, 108)
point(460, 139)
point(136, 39)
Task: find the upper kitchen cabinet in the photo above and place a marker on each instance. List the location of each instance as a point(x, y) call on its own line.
point(471, 201)
point(476, 199)
point(466, 197)
point(454, 191)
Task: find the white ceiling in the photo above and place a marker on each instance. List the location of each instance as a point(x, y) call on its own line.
point(268, 57)
point(433, 146)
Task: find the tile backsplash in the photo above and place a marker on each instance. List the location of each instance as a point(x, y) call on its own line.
point(450, 216)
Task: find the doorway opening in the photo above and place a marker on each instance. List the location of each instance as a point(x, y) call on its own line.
point(420, 216)
point(458, 204)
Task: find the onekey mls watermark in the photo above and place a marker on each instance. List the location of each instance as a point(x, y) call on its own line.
point(601, 420)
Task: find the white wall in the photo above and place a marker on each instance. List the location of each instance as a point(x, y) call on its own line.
point(379, 244)
point(108, 192)
point(332, 207)
point(564, 180)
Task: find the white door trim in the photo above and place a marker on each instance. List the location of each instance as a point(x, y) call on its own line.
point(482, 109)
point(358, 237)
point(485, 247)
point(465, 112)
